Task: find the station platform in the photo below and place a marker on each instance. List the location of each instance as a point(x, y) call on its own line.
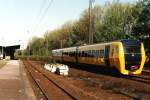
point(14, 84)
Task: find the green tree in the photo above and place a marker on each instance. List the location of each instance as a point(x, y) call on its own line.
point(142, 26)
point(37, 47)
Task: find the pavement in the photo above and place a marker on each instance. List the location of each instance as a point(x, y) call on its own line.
point(14, 84)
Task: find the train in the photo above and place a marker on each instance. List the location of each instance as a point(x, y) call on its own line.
point(126, 55)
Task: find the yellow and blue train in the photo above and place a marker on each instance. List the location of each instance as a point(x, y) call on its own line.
point(127, 56)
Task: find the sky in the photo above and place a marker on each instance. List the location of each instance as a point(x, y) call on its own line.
point(20, 20)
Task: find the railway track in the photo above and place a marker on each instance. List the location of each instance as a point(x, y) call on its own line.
point(44, 85)
point(146, 72)
point(129, 92)
point(52, 88)
point(39, 88)
point(144, 77)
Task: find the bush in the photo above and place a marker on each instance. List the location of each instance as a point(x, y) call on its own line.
point(36, 58)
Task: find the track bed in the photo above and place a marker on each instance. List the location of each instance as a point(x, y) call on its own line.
point(97, 85)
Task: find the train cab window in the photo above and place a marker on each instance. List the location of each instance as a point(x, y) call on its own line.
point(132, 49)
point(132, 46)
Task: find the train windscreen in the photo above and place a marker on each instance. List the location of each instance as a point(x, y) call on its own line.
point(132, 49)
point(132, 52)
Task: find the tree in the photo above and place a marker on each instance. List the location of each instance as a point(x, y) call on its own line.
point(112, 21)
point(142, 27)
point(116, 18)
point(37, 47)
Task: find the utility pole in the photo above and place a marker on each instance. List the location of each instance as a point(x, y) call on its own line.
point(61, 43)
point(90, 22)
point(2, 51)
point(29, 42)
point(46, 44)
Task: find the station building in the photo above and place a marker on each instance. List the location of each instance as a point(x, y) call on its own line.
point(7, 52)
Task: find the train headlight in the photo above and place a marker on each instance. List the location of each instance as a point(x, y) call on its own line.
point(135, 67)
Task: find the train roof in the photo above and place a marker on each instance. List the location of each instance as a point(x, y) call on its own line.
point(127, 41)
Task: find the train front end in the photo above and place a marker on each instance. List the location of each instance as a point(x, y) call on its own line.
point(134, 57)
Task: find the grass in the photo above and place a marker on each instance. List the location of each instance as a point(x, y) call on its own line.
point(2, 63)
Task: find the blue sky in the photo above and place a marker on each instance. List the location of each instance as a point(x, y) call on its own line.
point(19, 19)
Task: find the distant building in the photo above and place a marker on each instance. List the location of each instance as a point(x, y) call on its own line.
point(7, 52)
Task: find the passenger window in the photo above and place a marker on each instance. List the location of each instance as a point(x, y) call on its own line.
point(97, 53)
point(74, 53)
point(92, 53)
point(89, 53)
point(85, 53)
point(78, 53)
point(82, 53)
point(101, 53)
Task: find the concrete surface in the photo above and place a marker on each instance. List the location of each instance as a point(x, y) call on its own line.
point(14, 84)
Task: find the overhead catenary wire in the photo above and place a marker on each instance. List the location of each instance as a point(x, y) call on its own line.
point(42, 15)
point(38, 15)
point(46, 10)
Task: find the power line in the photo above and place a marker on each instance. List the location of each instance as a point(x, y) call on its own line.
point(38, 15)
point(43, 15)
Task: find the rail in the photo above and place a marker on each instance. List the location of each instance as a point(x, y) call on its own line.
point(78, 94)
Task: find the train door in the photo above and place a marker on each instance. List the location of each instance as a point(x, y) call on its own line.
point(62, 55)
point(76, 54)
point(107, 50)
